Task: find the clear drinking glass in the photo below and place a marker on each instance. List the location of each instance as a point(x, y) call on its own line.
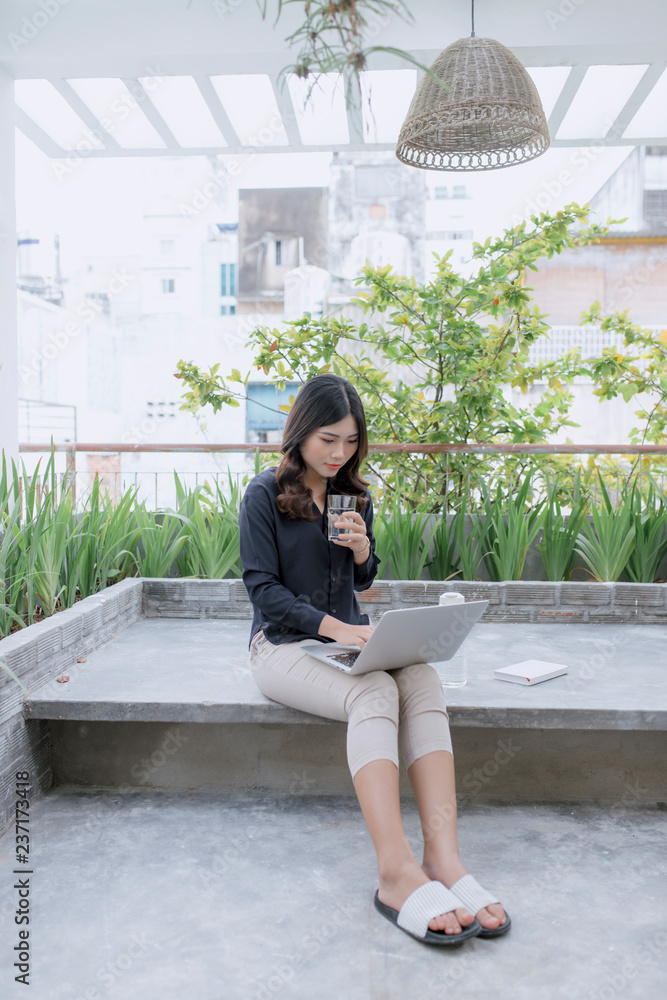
point(337, 505)
point(454, 672)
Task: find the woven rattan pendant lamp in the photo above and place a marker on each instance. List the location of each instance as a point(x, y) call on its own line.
point(490, 116)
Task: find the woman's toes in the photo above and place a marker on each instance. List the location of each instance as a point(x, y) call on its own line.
point(446, 922)
point(464, 917)
point(491, 916)
point(496, 910)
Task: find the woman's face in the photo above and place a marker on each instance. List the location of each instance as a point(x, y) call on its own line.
point(328, 448)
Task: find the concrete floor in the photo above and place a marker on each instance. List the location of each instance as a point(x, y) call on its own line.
point(147, 895)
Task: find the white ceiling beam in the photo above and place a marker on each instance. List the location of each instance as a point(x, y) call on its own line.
point(81, 109)
point(41, 139)
point(565, 98)
point(287, 113)
point(355, 124)
point(153, 115)
point(220, 116)
point(635, 101)
point(615, 136)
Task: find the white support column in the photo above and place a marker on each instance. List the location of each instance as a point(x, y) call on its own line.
point(9, 362)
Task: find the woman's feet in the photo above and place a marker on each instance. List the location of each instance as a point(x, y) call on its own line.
point(396, 885)
point(448, 872)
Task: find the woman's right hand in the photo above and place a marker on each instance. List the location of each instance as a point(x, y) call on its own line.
point(348, 635)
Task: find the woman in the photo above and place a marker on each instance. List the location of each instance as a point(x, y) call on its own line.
point(302, 589)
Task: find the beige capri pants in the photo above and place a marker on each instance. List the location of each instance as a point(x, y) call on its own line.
point(372, 704)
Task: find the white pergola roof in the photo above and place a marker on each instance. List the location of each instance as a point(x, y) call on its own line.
point(193, 77)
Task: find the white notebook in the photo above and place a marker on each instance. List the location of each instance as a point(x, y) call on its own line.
point(530, 672)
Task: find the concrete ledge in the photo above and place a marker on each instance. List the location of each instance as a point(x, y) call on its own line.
point(492, 765)
point(171, 670)
point(37, 655)
point(616, 684)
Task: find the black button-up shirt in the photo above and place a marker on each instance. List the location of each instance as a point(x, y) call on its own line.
point(293, 574)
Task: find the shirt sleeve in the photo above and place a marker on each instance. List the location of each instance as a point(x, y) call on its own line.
point(259, 559)
point(365, 573)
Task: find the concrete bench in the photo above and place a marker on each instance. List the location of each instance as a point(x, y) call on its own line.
point(164, 699)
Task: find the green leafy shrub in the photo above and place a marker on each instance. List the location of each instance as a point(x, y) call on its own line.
point(559, 533)
point(607, 544)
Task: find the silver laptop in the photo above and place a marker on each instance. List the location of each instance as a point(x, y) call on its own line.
point(408, 635)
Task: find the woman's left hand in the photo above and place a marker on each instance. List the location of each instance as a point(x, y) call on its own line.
point(355, 536)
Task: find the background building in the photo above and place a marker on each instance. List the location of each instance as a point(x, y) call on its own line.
point(279, 230)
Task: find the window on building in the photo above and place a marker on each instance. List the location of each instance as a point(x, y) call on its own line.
point(228, 310)
point(228, 279)
point(440, 192)
point(279, 252)
point(223, 310)
point(168, 286)
point(655, 208)
point(167, 246)
point(100, 302)
point(160, 410)
point(459, 191)
point(264, 418)
point(449, 234)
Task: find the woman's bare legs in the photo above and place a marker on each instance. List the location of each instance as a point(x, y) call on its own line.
point(376, 785)
point(434, 785)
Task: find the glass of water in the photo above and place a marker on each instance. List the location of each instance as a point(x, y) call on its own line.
point(455, 670)
point(337, 506)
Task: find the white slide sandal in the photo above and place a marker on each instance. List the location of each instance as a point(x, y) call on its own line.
point(426, 902)
point(473, 896)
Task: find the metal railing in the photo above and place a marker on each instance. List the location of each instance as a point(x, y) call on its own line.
point(123, 480)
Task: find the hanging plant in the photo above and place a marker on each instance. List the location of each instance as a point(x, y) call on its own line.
point(334, 37)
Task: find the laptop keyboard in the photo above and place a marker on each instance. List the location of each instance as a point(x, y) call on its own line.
point(346, 659)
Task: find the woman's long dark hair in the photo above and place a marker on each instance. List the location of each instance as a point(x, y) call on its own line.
point(322, 400)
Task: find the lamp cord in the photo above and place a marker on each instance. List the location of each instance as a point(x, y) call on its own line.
point(472, 33)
